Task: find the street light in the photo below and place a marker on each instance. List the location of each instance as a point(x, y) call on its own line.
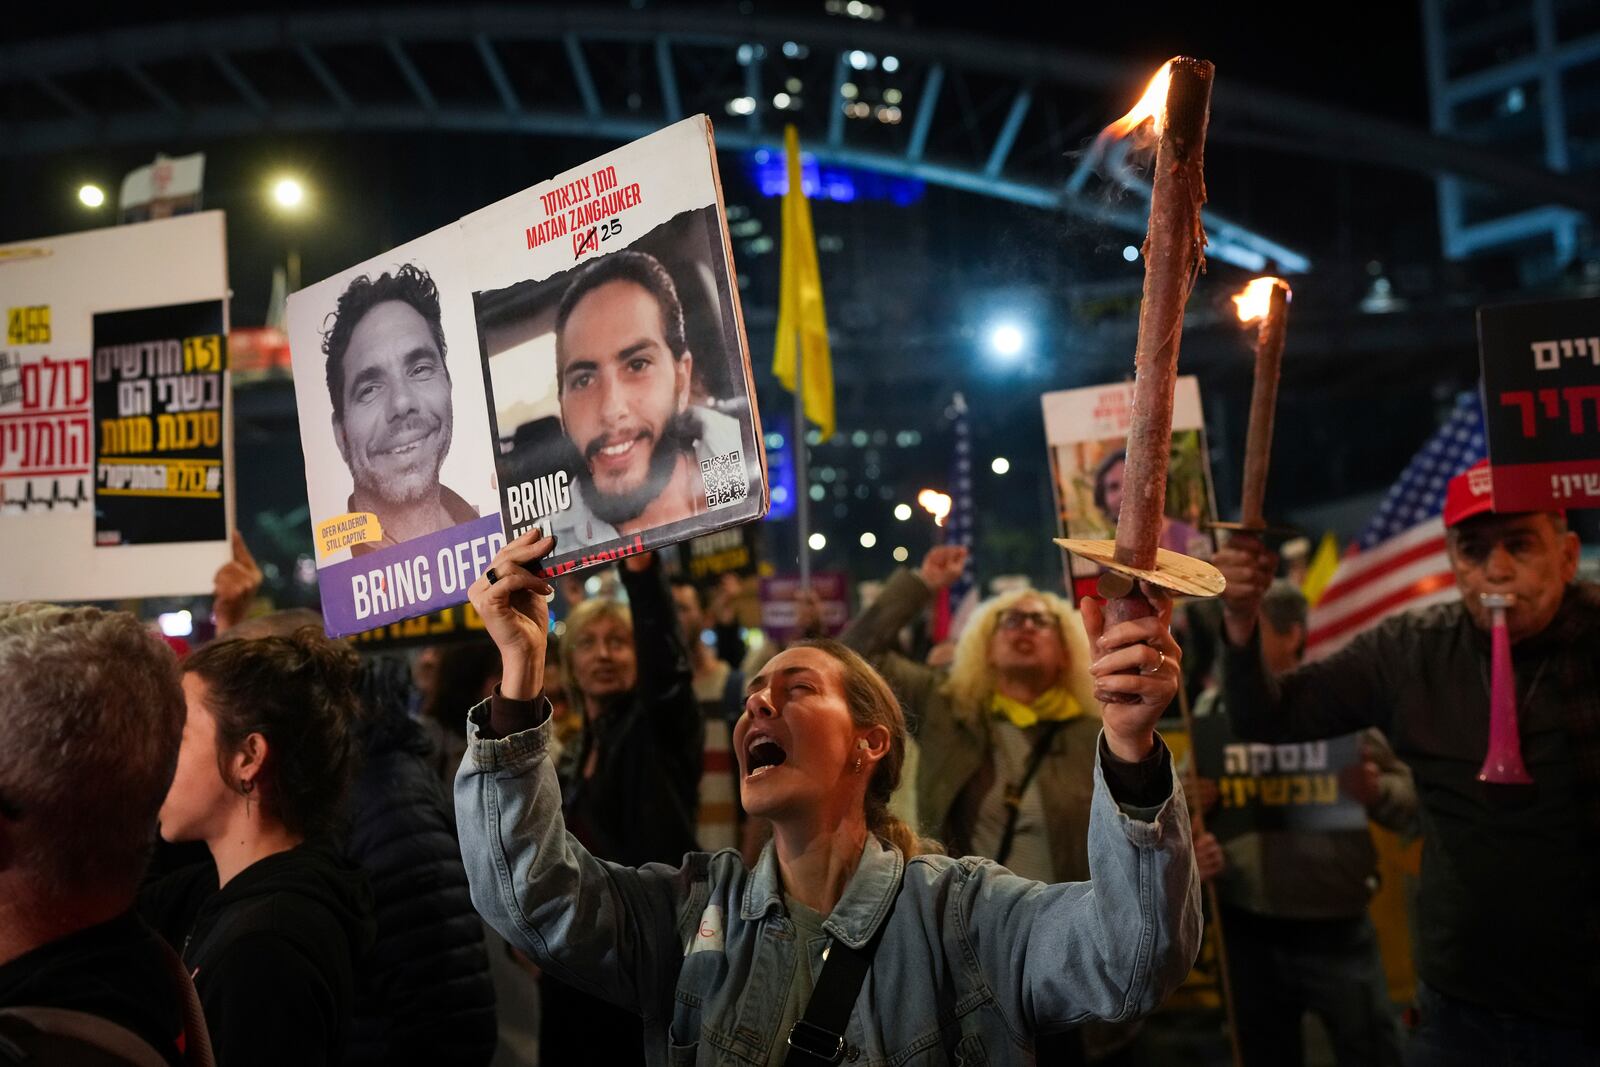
point(288, 193)
point(91, 195)
point(1006, 341)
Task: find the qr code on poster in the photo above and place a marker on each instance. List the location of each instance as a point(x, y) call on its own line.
point(725, 479)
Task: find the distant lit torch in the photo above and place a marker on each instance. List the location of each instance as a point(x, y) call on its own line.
point(1264, 301)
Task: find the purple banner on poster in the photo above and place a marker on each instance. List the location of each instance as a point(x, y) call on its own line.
point(406, 580)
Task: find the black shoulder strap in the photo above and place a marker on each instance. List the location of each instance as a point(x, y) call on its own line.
point(818, 1038)
point(1013, 795)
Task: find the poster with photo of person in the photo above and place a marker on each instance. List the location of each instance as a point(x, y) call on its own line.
point(399, 464)
point(614, 354)
point(571, 358)
point(1086, 431)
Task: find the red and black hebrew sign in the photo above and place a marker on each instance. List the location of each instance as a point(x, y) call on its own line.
point(1541, 403)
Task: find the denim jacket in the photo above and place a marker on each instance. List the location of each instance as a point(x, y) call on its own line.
point(974, 963)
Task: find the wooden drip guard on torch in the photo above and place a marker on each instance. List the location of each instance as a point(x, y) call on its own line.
point(1174, 254)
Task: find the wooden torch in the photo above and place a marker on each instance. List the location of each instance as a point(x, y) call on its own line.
point(1177, 106)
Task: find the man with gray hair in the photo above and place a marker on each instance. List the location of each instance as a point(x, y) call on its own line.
point(91, 712)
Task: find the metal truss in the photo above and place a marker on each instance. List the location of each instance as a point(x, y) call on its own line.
point(1476, 92)
point(997, 119)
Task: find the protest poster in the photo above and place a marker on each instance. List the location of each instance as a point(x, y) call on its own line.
point(789, 609)
point(447, 626)
point(405, 512)
point(1298, 786)
point(704, 559)
point(115, 440)
point(1541, 403)
point(571, 357)
point(1086, 433)
point(614, 353)
point(157, 407)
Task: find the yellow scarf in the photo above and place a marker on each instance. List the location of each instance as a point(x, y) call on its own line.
point(1053, 704)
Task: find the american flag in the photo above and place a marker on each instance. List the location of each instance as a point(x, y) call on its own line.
point(1399, 562)
point(952, 607)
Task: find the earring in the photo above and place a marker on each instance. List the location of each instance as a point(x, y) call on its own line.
point(857, 768)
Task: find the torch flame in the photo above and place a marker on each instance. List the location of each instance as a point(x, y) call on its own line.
point(936, 504)
point(1256, 298)
point(1152, 106)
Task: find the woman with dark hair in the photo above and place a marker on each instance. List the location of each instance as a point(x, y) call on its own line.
point(271, 931)
point(849, 936)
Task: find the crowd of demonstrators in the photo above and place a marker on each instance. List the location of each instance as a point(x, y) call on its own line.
point(1007, 737)
point(1293, 903)
point(629, 782)
point(722, 960)
point(579, 902)
point(424, 992)
point(273, 927)
point(459, 674)
point(809, 625)
point(91, 712)
point(719, 691)
point(1506, 940)
point(445, 679)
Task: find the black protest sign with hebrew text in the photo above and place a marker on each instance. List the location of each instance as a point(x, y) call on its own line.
point(1276, 787)
point(158, 406)
point(1541, 403)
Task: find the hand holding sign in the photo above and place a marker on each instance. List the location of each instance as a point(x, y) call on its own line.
point(511, 596)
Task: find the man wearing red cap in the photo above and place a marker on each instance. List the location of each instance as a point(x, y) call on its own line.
point(1508, 930)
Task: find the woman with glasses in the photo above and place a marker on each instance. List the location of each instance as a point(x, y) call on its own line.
point(849, 940)
point(1007, 738)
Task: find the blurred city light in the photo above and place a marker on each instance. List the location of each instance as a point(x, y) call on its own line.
point(94, 196)
point(288, 193)
point(1006, 340)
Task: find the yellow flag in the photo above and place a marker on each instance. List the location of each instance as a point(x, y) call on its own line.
point(1320, 570)
point(801, 319)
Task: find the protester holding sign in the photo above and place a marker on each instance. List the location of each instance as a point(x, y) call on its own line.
point(629, 779)
point(1498, 861)
point(720, 959)
point(1294, 898)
